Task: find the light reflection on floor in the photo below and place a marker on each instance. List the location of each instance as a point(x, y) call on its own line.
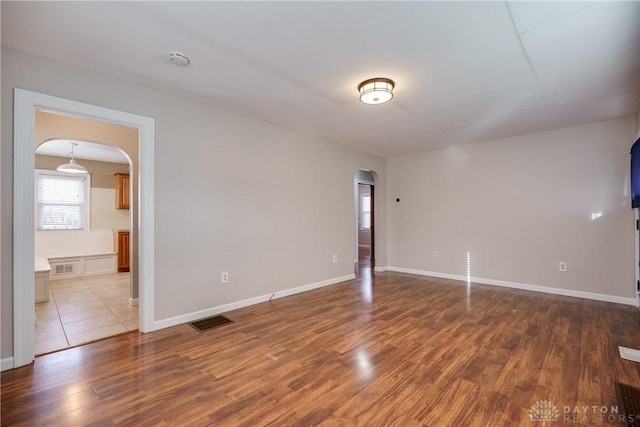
point(364, 274)
point(364, 277)
point(365, 367)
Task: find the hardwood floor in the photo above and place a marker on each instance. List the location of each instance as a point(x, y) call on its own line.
point(395, 350)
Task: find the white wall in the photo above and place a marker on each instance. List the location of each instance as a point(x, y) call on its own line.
point(104, 215)
point(70, 243)
point(272, 229)
point(520, 205)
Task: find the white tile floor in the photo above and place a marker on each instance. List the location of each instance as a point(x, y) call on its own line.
point(85, 309)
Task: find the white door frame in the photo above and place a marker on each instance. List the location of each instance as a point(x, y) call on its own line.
point(25, 105)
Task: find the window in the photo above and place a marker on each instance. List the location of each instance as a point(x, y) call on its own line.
point(366, 212)
point(62, 201)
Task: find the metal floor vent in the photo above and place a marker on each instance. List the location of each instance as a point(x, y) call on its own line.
point(210, 323)
point(629, 400)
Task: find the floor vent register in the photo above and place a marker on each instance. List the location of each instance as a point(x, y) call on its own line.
point(210, 323)
point(629, 401)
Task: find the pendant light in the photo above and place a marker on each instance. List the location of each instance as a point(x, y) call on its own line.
point(72, 166)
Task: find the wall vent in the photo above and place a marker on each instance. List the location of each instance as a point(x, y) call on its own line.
point(64, 269)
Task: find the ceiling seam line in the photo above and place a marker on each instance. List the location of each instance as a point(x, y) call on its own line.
point(524, 50)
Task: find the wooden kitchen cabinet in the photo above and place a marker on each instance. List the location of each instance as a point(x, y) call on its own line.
point(122, 190)
point(121, 247)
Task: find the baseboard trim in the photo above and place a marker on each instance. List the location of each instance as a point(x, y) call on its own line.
point(523, 286)
point(6, 364)
point(381, 269)
point(190, 317)
point(133, 301)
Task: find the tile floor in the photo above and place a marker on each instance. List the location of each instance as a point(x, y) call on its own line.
point(84, 309)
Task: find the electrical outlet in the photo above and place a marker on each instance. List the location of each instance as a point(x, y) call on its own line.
point(562, 266)
point(435, 255)
point(335, 259)
point(224, 277)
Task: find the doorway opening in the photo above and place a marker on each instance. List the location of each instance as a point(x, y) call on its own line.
point(26, 105)
point(364, 192)
point(365, 228)
point(635, 205)
point(82, 222)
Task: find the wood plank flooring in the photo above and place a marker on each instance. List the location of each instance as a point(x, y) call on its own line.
point(398, 350)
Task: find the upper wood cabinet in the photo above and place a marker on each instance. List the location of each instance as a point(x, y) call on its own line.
point(122, 190)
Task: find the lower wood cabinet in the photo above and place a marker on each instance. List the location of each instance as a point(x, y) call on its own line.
point(121, 247)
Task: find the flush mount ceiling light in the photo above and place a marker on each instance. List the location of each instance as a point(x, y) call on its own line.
point(72, 166)
point(179, 59)
point(376, 91)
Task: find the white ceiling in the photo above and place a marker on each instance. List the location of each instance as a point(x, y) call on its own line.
point(84, 150)
point(465, 71)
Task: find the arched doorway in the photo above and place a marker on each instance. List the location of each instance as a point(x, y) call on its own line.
point(364, 202)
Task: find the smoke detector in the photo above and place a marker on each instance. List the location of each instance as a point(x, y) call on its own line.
point(179, 59)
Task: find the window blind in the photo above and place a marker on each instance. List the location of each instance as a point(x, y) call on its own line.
point(61, 202)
